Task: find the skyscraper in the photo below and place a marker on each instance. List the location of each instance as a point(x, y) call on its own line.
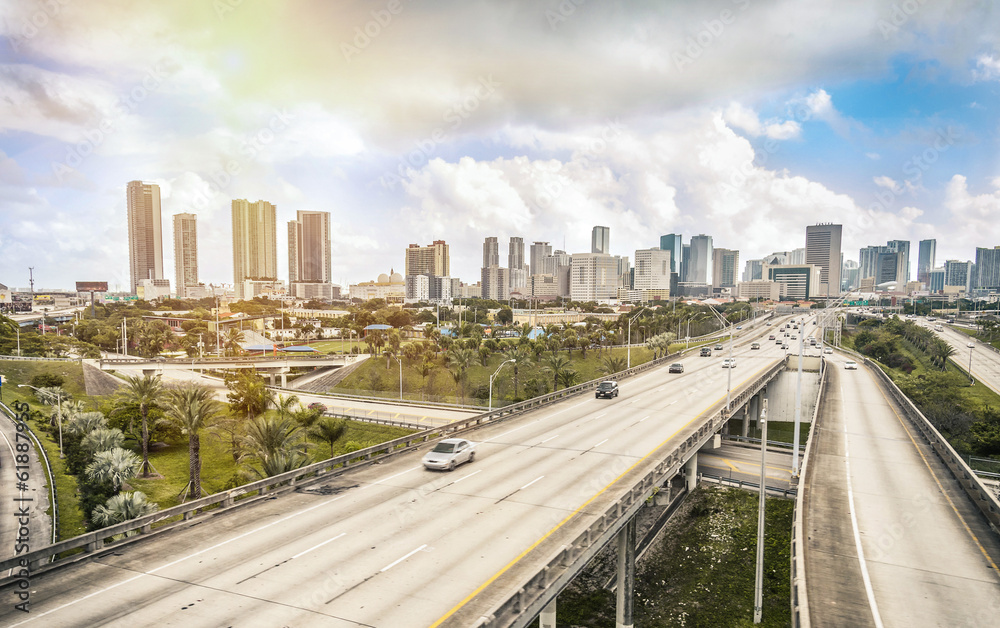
point(823, 250)
point(255, 247)
point(491, 252)
point(145, 237)
point(957, 274)
point(699, 268)
point(652, 269)
point(672, 242)
point(987, 269)
point(725, 267)
point(600, 240)
point(433, 260)
point(903, 248)
point(925, 260)
point(515, 254)
point(310, 257)
point(185, 252)
point(539, 251)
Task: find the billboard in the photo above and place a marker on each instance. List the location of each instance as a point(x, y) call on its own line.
point(91, 286)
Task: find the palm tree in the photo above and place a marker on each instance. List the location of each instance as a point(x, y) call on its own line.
point(285, 404)
point(940, 351)
point(329, 429)
point(85, 423)
point(122, 507)
point(102, 439)
point(232, 339)
point(143, 392)
point(611, 365)
point(520, 357)
point(192, 408)
point(556, 364)
point(114, 466)
point(7, 326)
point(272, 443)
point(568, 377)
point(459, 361)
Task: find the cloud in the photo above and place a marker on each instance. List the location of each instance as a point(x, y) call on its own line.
point(987, 68)
point(744, 118)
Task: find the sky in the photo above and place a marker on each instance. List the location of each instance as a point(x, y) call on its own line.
point(461, 119)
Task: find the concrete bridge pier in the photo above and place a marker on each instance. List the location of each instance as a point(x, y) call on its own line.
point(626, 575)
point(691, 472)
point(547, 618)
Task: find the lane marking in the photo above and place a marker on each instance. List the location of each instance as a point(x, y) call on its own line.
point(319, 546)
point(393, 564)
point(377, 482)
point(580, 508)
point(644, 418)
point(179, 560)
point(466, 477)
point(531, 482)
point(599, 444)
point(548, 439)
point(854, 525)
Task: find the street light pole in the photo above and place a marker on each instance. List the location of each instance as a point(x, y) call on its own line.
point(971, 379)
point(758, 587)
point(58, 411)
point(492, 377)
point(400, 374)
point(628, 351)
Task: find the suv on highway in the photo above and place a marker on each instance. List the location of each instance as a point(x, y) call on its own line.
point(676, 367)
point(607, 388)
point(705, 352)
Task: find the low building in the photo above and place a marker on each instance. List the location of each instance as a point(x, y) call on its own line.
point(391, 288)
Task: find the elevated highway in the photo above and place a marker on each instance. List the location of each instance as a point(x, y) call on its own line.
point(392, 544)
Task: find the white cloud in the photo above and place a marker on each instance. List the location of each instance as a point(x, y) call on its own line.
point(887, 183)
point(987, 68)
point(747, 119)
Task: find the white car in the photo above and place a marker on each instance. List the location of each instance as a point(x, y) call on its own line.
point(450, 453)
point(729, 363)
point(827, 350)
point(851, 365)
point(971, 345)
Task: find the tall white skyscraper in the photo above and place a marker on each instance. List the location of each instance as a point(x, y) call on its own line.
point(310, 258)
point(539, 251)
point(600, 240)
point(823, 250)
point(652, 269)
point(185, 252)
point(699, 267)
point(926, 255)
point(491, 252)
point(145, 232)
point(255, 248)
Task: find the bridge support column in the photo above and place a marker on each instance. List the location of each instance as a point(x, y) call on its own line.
point(746, 418)
point(691, 472)
point(547, 618)
point(271, 377)
point(284, 380)
point(626, 575)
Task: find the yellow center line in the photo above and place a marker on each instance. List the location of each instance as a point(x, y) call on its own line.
point(517, 558)
point(965, 525)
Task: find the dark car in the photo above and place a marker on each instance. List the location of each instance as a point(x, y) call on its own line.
point(676, 367)
point(705, 352)
point(607, 388)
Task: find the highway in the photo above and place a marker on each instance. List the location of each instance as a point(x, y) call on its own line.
point(985, 361)
point(24, 503)
point(393, 544)
point(891, 538)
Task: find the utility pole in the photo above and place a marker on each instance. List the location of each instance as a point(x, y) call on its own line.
point(758, 588)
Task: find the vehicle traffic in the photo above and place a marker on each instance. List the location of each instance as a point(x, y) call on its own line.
point(851, 365)
point(608, 388)
point(450, 453)
point(729, 363)
point(676, 367)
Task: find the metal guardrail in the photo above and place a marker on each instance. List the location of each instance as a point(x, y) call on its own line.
point(25, 357)
point(978, 493)
point(537, 590)
point(799, 594)
point(777, 491)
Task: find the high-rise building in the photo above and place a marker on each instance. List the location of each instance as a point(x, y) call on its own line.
point(935, 280)
point(795, 257)
point(515, 253)
point(185, 252)
point(903, 248)
point(593, 277)
point(798, 281)
point(600, 240)
point(823, 250)
point(725, 265)
point(309, 251)
point(699, 268)
point(672, 242)
point(539, 251)
point(491, 252)
point(145, 237)
point(652, 269)
point(255, 245)
point(957, 274)
point(925, 259)
point(685, 266)
point(433, 260)
point(752, 269)
point(987, 269)
point(849, 276)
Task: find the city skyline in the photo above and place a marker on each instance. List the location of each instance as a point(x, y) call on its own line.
point(884, 123)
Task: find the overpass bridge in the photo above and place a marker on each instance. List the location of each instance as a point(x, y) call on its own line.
point(274, 366)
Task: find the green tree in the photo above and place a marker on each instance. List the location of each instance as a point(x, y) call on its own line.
point(192, 408)
point(568, 377)
point(556, 364)
point(611, 365)
point(232, 339)
point(329, 430)
point(144, 392)
point(459, 361)
point(521, 357)
point(114, 466)
point(273, 445)
point(122, 507)
point(102, 439)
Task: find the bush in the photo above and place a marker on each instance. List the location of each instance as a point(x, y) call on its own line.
point(47, 380)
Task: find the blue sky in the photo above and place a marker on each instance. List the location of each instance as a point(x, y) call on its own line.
point(413, 122)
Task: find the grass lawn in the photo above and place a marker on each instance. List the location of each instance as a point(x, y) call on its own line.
point(338, 346)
